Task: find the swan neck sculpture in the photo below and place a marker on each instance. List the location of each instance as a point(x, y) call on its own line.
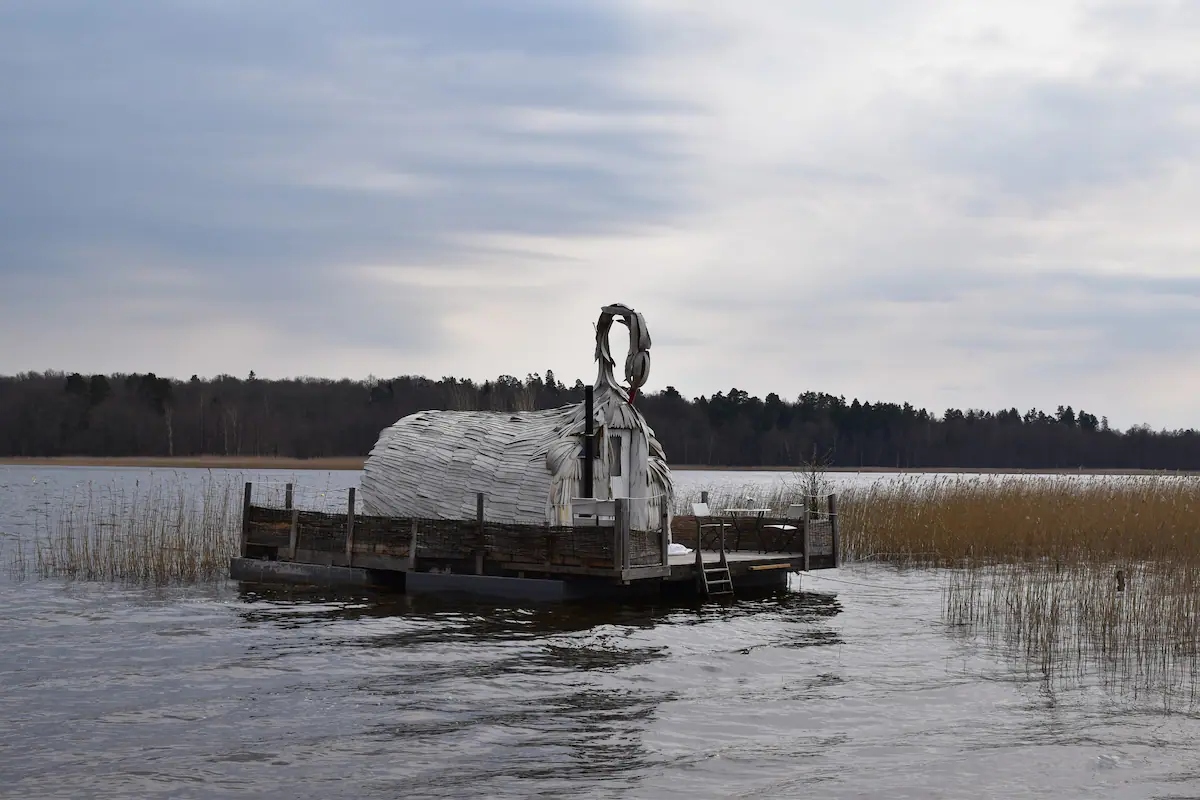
point(637, 363)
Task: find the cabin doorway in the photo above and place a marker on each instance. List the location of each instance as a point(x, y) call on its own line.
point(618, 476)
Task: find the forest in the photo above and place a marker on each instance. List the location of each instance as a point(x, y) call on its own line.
point(59, 414)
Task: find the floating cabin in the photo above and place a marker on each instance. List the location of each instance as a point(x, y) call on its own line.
point(568, 503)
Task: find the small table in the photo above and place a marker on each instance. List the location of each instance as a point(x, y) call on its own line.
point(756, 513)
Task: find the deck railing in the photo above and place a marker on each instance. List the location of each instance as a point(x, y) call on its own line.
point(353, 539)
point(814, 533)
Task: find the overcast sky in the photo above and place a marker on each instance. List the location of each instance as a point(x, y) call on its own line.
point(947, 203)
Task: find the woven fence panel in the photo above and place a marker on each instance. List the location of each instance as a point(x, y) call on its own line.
point(447, 538)
point(820, 537)
point(522, 543)
point(645, 548)
point(746, 535)
point(683, 531)
point(382, 536)
point(325, 533)
point(438, 538)
point(268, 526)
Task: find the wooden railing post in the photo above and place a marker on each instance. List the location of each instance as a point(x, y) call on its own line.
point(293, 534)
point(620, 533)
point(479, 544)
point(292, 530)
point(412, 549)
point(246, 519)
point(665, 537)
point(350, 529)
point(704, 498)
point(833, 529)
point(806, 535)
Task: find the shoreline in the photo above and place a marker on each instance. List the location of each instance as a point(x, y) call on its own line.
point(355, 463)
point(191, 462)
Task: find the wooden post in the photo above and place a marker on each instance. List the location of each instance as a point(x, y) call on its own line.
point(293, 534)
point(665, 541)
point(806, 537)
point(620, 533)
point(350, 529)
point(704, 498)
point(833, 530)
point(287, 506)
point(479, 545)
point(412, 549)
point(246, 519)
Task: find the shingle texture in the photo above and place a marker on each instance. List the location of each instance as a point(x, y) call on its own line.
point(433, 463)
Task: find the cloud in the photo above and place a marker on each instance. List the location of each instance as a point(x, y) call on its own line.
point(945, 203)
point(266, 155)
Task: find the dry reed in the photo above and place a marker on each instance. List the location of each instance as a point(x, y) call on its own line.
point(156, 533)
point(985, 520)
point(163, 530)
point(949, 521)
point(1032, 563)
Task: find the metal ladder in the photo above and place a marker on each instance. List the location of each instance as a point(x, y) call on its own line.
point(715, 581)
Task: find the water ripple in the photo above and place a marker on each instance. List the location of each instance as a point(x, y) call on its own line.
point(842, 692)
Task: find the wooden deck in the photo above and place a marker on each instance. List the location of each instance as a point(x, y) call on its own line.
point(293, 545)
point(741, 564)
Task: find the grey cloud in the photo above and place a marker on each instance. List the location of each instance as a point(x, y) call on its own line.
point(1116, 314)
point(201, 133)
point(1034, 141)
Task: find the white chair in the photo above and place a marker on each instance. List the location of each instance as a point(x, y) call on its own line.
point(701, 512)
point(795, 512)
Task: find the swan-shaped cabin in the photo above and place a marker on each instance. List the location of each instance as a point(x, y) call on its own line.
point(528, 464)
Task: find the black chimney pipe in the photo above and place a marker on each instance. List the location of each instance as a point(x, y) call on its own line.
point(589, 445)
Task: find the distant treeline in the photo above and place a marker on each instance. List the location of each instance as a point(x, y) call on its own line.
point(55, 414)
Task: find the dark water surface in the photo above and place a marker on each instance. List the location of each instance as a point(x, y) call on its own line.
point(852, 688)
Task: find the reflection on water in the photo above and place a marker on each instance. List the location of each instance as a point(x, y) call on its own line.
point(853, 688)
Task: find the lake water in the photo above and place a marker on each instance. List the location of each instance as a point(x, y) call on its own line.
point(851, 687)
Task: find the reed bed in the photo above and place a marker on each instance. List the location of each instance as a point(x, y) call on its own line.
point(988, 520)
point(1076, 576)
point(165, 529)
point(1137, 632)
point(156, 533)
point(950, 521)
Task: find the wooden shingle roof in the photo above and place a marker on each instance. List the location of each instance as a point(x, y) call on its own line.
point(431, 464)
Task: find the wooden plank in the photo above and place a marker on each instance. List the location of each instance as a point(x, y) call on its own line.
point(833, 530)
point(246, 518)
point(759, 567)
point(293, 533)
point(807, 538)
point(350, 529)
point(621, 533)
point(562, 569)
point(412, 549)
point(362, 560)
point(644, 573)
